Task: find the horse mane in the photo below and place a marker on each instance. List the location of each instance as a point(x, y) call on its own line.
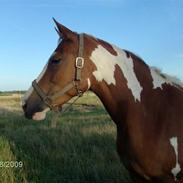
point(172, 79)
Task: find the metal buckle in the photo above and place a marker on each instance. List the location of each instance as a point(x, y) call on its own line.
point(80, 93)
point(79, 62)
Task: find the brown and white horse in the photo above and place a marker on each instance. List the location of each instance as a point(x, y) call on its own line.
point(146, 105)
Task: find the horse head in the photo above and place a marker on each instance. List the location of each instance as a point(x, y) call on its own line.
point(66, 74)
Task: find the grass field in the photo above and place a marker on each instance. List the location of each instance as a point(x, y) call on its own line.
point(80, 149)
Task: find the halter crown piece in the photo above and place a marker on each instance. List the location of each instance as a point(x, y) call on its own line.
point(79, 64)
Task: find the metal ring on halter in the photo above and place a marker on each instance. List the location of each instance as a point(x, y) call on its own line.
point(79, 62)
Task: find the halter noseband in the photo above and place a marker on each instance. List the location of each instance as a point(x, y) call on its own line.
point(79, 64)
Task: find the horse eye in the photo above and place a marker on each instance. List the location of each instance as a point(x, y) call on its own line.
point(56, 61)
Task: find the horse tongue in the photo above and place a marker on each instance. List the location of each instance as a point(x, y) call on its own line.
point(38, 116)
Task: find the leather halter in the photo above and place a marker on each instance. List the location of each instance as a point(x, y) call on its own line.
point(48, 99)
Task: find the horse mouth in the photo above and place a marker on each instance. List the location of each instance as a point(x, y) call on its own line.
point(39, 116)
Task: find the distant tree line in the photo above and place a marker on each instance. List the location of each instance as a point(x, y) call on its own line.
point(12, 92)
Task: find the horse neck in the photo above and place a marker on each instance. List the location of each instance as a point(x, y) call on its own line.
point(106, 96)
point(120, 93)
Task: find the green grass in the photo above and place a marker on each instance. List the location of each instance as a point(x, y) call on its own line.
point(81, 149)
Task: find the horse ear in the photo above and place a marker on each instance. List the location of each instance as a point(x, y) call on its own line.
point(63, 31)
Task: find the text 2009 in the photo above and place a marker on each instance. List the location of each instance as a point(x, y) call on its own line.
point(11, 164)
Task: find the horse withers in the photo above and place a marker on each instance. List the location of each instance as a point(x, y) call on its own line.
point(146, 105)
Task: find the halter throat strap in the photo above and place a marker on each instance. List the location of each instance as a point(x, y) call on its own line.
point(79, 64)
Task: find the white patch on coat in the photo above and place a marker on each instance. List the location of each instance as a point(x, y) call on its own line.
point(158, 80)
point(38, 116)
point(89, 83)
point(105, 63)
point(53, 54)
point(42, 73)
point(59, 41)
point(30, 90)
point(177, 168)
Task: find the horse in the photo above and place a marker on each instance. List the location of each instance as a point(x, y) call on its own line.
point(145, 104)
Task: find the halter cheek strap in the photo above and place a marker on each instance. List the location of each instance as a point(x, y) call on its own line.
point(80, 58)
point(79, 64)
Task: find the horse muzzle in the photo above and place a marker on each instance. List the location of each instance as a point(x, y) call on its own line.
point(35, 115)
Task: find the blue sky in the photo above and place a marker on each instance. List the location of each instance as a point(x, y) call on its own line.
point(152, 29)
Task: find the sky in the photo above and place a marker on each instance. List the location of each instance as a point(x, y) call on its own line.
point(153, 29)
